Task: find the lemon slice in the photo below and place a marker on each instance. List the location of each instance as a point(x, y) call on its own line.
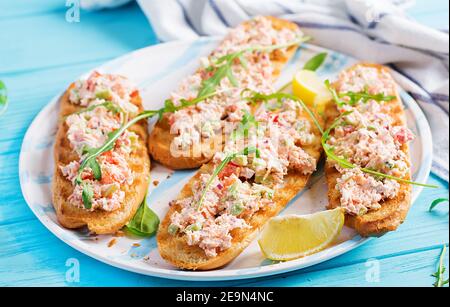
point(308, 87)
point(294, 236)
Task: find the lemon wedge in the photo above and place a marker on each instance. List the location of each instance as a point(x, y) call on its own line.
point(293, 236)
point(307, 86)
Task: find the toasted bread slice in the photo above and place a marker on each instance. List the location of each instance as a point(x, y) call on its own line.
point(174, 248)
point(98, 221)
point(161, 138)
point(393, 211)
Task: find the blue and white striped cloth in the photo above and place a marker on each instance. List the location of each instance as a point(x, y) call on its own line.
point(370, 30)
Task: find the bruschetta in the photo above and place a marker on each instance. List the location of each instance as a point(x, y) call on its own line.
point(371, 134)
point(190, 137)
point(106, 195)
point(223, 207)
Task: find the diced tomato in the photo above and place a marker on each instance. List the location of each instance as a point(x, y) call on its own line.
point(403, 135)
point(229, 170)
point(134, 94)
point(232, 108)
point(86, 176)
point(108, 157)
point(275, 119)
point(228, 181)
point(106, 178)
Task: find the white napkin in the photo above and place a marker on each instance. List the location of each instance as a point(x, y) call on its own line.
point(370, 30)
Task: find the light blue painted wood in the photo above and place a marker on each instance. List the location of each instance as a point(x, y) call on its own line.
point(433, 13)
point(48, 40)
point(50, 55)
point(26, 8)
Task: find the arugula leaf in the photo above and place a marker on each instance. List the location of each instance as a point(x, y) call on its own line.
point(170, 107)
point(109, 144)
point(346, 164)
point(247, 122)
point(439, 274)
point(222, 67)
point(209, 85)
point(356, 97)
point(3, 97)
point(87, 195)
point(365, 96)
point(336, 98)
point(315, 62)
point(437, 202)
point(255, 97)
point(246, 151)
point(96, 170)
point(145, 222)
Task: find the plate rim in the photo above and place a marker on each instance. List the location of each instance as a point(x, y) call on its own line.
point(231, 274)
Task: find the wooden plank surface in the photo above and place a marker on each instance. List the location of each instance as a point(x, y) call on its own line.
point(49, 54)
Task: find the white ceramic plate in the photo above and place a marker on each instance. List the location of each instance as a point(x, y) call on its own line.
point(157, 70)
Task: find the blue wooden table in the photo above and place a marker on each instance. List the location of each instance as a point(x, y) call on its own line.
point(40, 53)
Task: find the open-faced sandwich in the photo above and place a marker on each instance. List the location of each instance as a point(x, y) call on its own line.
point(368, 165)
point(266, 161)
point(250, 57)
point(96, 182)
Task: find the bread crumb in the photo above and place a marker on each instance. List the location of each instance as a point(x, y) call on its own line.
point(155, 183)
point(136, 244)
point(119, 233)
point(112, 242)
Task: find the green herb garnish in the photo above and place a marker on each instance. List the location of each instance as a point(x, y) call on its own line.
point(245, 152)
point(87, 195)
point(248, 121)
point(437, 202)
point(439, 275)
point(355, 97)
point(170, 107)
point(222, 67)
point(145, 222)
point(315, 62)
point(3, 97)
point(279, 97)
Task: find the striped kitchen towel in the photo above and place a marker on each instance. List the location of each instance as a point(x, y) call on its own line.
point(370, 30)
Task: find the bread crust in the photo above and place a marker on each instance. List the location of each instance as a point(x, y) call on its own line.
point(393, 211)
point(174, 248)
point(161, 138)
point(98, 221)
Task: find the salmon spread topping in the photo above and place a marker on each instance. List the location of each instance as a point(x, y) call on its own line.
point(207, 117)
point(104, 87)
point(369, 138)
point(248, 183)
point(90, 129)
